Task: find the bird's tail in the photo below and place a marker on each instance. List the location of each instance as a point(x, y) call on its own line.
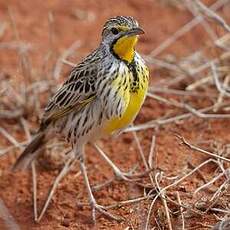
point(30, 152)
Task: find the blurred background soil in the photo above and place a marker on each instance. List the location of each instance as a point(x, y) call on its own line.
point(49, 28)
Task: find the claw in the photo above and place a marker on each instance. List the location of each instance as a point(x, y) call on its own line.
point(101, 209)
point(125, 176)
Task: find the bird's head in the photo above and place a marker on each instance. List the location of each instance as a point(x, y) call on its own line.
point(121, 35)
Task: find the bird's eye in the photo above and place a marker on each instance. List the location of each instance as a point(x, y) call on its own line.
point(114, 30)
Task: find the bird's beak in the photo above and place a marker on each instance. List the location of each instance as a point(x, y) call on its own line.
point(135, 31)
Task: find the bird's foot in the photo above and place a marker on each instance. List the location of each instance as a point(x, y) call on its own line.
point(101, 209)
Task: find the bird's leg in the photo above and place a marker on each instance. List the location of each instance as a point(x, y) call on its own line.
point(95, 207)
point(62, 173)
point(118, 173)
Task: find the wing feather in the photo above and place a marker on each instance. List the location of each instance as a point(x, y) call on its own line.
point(74, 94)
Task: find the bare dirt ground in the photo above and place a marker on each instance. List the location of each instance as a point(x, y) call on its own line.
point(33, 37)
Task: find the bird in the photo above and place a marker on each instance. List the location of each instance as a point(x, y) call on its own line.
point(101, 96)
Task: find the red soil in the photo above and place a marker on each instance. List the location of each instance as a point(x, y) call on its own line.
point(159, 21)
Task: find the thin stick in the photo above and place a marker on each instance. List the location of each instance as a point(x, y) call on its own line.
point(142, 155)
point(64, 56)
point(213, 15)
point(10, 138)
point(26, 128)
point(127, 202)
point(216, 80)
point(150, 211)
point(164, 100)
point(33, 169)
point(63, 172)
point(205, 25)
point(140, 150)
point(221, 94)
point(202, 115)
point(8, 219)
point(164, 90)
point(161, 63)
point(6, 150)
point(187, 175)
point(219, 190)
point(68, 63)
point(151, 153)
point(183, 30)
point(34, 182)
point(156, 123)
point(202, 150)
point(162, 195)
point(172, 185)
point(181, 210)
point(209, 183)
point(8, 114)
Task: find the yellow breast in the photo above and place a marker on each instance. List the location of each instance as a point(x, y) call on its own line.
point(136, 100)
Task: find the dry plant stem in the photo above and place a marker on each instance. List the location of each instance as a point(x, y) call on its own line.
point(63, 172)
point(117, 171)
point(51, 32)
point(15, 45)
point(8, 219)
point(217, 195)
point(198, 172)
point(8, 149)
point(183, 30)
point(172, 185)
point(69, 63)
point(26, 128)
point(209, 183)
point(216, 80)
point(24, 60)
point(164, 90)
point(127, 202)
point(64, 56)
point(151, 162)
point(10, 138)
point(185, 207)
point(221, 94)
point(193, 8)
point(213, 15)
point(20, 100)
point(226, 183)
point(150, 211)
point(187, 175)
point(171, 82)
point(204, 80)
point(34, 182)
point(142, 155)
point(188, 107)
point(33, 170)
point(5, 114)
point(220, 210)
point(161, 63)
point(163, 199)
point(158, 122)
point(140, 150)
point(202, 115)
point(166, 101)
point(221, 42)
point(181, 211)
point(202, 150)
point(105, 184)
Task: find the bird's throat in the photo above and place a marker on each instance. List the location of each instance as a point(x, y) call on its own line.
point(124, 48)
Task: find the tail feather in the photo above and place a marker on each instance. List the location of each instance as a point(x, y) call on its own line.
point(30, 152)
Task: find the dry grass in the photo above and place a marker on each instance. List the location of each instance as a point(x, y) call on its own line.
point(206, 74)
